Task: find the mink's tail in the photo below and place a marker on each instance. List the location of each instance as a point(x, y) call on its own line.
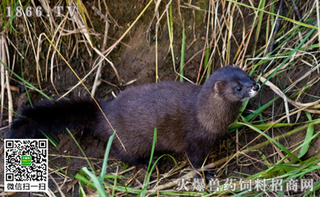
point(54, 118)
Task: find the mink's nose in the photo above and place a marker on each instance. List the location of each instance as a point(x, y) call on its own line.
point(256, 87)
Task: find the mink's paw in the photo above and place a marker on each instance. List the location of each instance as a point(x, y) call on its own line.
point(209, 175)
point(206, 175)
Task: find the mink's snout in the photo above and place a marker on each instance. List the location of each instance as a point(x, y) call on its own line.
point(256, 87)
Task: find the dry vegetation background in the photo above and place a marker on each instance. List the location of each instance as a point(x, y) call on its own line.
point(108, 45)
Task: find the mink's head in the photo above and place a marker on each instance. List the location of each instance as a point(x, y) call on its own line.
point(232, 84)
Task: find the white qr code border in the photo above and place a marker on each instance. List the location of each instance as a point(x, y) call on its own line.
point(28, 157)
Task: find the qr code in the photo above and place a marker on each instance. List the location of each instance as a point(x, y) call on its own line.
point(25, 165)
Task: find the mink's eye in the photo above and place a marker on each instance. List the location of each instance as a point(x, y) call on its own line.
point(239, 88)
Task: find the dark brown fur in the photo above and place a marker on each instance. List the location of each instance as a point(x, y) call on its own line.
point(189, 118)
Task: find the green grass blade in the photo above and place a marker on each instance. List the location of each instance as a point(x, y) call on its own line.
point(310, 131)
point(74, 139)
point(24, 81)
point(106, 156)
point(170, 33)
point(148, 174)
point(97, 184)
point(260, 109)
point(182, 52)
point(285, 18)
point(271, 139)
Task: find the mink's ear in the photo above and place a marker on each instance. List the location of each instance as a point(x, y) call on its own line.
point(219, 86)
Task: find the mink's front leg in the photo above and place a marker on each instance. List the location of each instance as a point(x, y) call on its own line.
point(197, 150)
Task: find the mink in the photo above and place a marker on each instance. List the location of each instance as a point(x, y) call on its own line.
point(189, 118)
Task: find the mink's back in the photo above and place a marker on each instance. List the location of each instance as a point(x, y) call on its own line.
point(167, 106)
